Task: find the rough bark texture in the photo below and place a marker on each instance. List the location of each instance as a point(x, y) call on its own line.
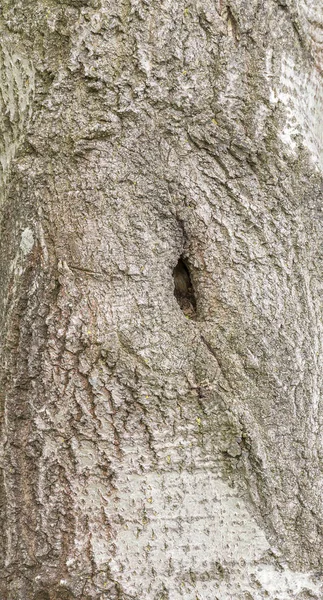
point(160, 445)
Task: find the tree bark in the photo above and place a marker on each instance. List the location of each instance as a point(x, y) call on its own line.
point(161, 299)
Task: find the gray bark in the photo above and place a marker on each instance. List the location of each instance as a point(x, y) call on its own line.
point(161, 299)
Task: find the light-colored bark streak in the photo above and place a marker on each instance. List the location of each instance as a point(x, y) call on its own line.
point(16, 91)
point(146, 454)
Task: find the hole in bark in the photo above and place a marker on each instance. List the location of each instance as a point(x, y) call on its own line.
point(183, 289)
point(42, 596)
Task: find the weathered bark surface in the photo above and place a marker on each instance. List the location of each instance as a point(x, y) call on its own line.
point(152, 449)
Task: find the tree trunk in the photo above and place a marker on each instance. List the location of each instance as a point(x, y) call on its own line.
point(161, 299)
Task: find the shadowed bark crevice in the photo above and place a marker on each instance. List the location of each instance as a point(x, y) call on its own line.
point(183, 289)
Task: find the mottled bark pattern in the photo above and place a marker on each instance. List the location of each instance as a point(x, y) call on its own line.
point(151, 449)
